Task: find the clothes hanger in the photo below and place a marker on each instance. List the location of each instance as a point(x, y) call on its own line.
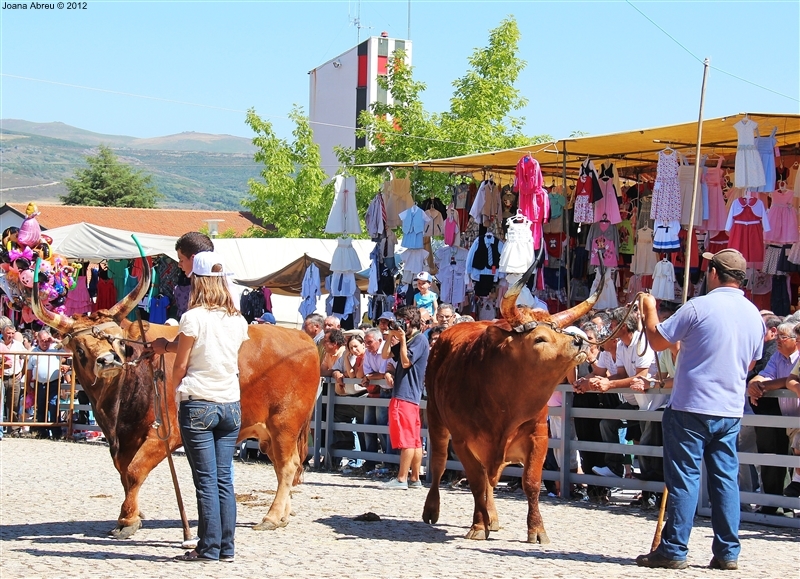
point(604, 219)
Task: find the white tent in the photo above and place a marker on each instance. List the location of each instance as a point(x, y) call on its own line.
point(90, 242)
point(254, 258)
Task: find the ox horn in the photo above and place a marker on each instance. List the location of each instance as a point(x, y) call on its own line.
point(508, 305)
point(56, 321)
point(125, 306)
point(567, 317)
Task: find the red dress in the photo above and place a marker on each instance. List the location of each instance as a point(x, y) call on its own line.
point(747, 234)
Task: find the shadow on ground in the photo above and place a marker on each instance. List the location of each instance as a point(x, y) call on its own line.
point(388, 529)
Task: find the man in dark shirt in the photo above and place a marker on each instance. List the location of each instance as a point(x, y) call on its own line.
point(410, 356)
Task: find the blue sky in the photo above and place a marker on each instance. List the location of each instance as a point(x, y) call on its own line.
point(597, 67)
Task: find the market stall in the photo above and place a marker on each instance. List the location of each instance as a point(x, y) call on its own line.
point(627, 196)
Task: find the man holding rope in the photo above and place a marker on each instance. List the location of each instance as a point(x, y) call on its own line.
point(721, 336)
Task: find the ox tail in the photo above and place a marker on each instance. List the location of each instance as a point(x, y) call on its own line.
point(302, 450)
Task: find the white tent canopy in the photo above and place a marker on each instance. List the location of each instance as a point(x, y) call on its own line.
point(247, 258)
point(86, 241)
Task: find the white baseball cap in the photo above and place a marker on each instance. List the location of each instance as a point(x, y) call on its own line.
point(424, 276)
point(204, 262)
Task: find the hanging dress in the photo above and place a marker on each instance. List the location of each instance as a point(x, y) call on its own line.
point(78, 300)
point(746, 225)
point(533, 200)
point(717, 214)
point(644, 259)
point(345, 258)
point(665, 238)
point(664, 281)
point(343, 217)
point(608, 297)
point(749, 168)
point(766, 150)
point(517, 254)
point(686, 180)
point(587, 191)
point(782, 219)
point(607, 206)
point(666, 203)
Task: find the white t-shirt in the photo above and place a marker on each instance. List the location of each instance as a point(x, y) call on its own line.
point(213, 372)
point(631, 361)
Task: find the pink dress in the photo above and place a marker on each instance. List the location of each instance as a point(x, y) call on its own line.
point(78, 300)
point(782, 219)
point(717, 214)
point(533, 200)
point(608, 206)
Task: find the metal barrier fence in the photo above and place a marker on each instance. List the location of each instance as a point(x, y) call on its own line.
point(323, 422)
point(31, 403)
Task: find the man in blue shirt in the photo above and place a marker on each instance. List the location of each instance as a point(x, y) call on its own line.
point(721, 336)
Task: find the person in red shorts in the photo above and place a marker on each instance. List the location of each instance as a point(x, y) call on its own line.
point(410, 357)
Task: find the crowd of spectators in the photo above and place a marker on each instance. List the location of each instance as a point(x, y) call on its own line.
point(34, 381)
point(626, 361)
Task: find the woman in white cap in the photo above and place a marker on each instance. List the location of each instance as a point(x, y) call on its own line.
point(206, 378)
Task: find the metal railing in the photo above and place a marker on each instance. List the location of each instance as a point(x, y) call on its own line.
point(23, 394)
point(323, 421)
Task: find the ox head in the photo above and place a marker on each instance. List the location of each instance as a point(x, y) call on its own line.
point(536, 322)
point(94, 340)
point(520, 317)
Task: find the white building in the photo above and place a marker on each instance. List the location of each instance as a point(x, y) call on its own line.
point(343, 87)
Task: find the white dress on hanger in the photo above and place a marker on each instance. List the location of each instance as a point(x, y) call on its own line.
point(343, 217)
point(664, 281)
point(517, 254)
point(608, 297)
point(749, 167)
point(345, 258)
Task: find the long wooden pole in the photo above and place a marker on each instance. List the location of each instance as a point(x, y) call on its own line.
point(696, 184)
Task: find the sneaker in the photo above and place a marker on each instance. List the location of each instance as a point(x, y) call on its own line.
point(656, 560)
point(227, 558)
point(396, 484)
point(604, 471)
point(793, 490)
point(415, 484)
point(730, 565)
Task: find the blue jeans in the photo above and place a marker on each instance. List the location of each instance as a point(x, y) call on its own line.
point(209, 431)
point(690, 438)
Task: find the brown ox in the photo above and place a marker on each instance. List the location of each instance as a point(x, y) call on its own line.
point(278, 374)
point(488, 384)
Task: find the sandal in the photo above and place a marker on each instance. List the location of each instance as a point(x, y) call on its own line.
point(193, 556)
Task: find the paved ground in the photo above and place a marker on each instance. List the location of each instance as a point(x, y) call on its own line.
point(60, 499)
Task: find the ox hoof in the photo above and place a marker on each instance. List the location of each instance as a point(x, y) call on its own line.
point(538, 537)
point(430, 516)
point(125, 532)
point(477, 534)
point(267, 525)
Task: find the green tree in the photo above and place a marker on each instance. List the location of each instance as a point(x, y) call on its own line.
point(480, 117)
point(109, 183)
point(295, 195)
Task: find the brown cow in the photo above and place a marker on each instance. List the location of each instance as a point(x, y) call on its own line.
point(279, 377)
point(488, 384)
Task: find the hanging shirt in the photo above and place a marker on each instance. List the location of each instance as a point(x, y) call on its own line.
point(414, 220)
point(310, 291)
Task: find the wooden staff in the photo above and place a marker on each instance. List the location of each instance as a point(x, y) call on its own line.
point(657, 535)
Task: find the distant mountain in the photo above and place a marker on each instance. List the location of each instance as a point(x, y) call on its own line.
point(191, 170)
point(188, 141)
